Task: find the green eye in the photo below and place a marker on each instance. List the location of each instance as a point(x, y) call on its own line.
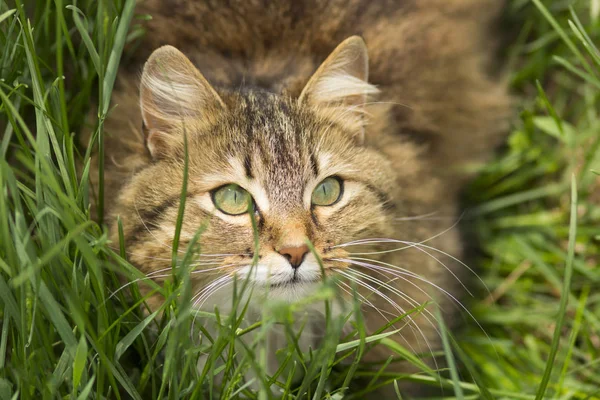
point(327, 193)
point(232, 199)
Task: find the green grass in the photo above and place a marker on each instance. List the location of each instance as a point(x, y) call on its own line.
point(535, 209)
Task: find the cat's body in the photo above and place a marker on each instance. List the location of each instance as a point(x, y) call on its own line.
point(268, 131)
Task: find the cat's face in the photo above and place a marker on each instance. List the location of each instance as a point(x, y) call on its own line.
point(282, 182)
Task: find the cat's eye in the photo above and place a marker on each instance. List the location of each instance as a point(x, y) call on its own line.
point(328, 192)
point(232, 199)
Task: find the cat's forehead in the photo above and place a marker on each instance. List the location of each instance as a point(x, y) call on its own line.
point(278, 145)
point(264, 114)
point(274, 148)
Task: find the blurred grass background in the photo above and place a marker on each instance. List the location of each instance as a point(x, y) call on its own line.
point(64, 336)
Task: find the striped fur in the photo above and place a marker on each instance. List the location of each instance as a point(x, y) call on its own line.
point(273, 113)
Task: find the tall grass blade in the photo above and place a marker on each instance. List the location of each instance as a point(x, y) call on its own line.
point(564, 296)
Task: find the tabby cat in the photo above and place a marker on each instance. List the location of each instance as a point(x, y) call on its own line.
point(346, 124)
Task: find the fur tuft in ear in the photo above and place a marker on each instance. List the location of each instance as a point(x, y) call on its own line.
point(172, 93)
point(339, 88)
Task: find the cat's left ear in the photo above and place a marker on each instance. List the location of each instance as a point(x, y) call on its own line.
point(339, 88)
point(174, 93)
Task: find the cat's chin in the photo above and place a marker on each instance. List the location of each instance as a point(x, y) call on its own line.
point(291, 290)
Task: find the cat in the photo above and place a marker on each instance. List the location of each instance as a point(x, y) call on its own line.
point(344, 124)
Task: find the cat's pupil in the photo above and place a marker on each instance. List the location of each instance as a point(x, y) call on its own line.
point(327, 192)
point(231, 199)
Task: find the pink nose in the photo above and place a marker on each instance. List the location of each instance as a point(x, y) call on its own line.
point(295, 255)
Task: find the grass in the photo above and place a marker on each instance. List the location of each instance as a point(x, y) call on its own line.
point(536, 212)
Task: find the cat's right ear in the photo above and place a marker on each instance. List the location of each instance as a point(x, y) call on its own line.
point(172, 93)
point(339, 89)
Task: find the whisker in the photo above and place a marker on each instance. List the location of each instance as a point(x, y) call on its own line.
point(131, 253)
point(357, 261)
point(205, 264)
point(394, 270)
point(352, 243)
point(380, 312)
point(365, 299)
point(222, 254)
point(153, 275)
point(416, 217)
point(204, 294)
point(395, 305)
point(201, 298)
point(412, 302)
point(211, 256)
point(419, 246)
point(200, 271)
point(148, 276)
point(373, 290)
point(206, 289)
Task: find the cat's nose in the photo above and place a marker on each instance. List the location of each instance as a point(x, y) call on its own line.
point(294, 254)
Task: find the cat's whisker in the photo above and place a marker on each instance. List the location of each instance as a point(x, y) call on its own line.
point(212, 256)
point(205, 289)
point(222, 254)
point(404, 272)
point(148, 276)
point(208, 256)
point(412, 302)
point(220, 267)
point(131, 253)
point(205, 294)
point(208, 291)
point(420, 246)
point(440, 262)
point(440, 218)
point(378, 269)
point(396, 270)
point(199, 263)
point(364, 299)
point(395, 305)
point(380, 312)
point(358, 242)
point(373, 290)
point(154, 275)
point(416, 217)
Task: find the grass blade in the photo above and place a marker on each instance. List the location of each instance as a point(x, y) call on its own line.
point(7, 14)
point(128, 340)
point(458, 392)
point(565, 294)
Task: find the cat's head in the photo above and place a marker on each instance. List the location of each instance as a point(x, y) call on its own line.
point(292, 177)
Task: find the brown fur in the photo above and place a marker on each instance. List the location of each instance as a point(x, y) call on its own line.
point(438, 110)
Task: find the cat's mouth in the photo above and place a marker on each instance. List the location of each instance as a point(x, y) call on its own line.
point(293, 282)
